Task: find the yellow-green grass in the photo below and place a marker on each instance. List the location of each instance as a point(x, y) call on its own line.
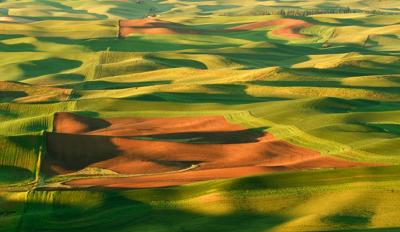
point(20, 158)
point(11, 208)
point(95, 10)
point(24, 93)
point(355, 199)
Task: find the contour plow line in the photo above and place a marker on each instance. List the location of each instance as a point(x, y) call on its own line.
point(296, 136)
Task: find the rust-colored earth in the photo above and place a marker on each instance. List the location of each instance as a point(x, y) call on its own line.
point(171, 151)
point(151, 26)
point(285, 27)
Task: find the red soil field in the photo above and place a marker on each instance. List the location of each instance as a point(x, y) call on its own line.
point(151, 26)
point(69, 123)
point(216, 149)
point(286, 27)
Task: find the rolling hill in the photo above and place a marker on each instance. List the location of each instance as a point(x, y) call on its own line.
point(187, 115)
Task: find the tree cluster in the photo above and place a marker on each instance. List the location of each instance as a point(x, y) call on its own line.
point(302, 12)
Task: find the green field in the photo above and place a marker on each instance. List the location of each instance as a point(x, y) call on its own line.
point(321, 75)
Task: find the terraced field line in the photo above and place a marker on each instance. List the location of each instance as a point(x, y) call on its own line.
point(71, 177)
point(39, 181)
point(294, 135)
point(119, 29)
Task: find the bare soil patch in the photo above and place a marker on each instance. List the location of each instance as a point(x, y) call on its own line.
point(214, 147)
point(151, 26)
point(285, 27)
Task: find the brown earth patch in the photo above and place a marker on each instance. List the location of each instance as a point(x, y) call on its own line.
point(68, 123)
point(211, 148)
point(151, 26)
point(76, 124)
point(286, 27)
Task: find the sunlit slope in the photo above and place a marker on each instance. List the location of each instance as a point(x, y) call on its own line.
point(82, 10)
point(19, 159)
point(320, 81)
point(97, 10)
point(359, 200)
